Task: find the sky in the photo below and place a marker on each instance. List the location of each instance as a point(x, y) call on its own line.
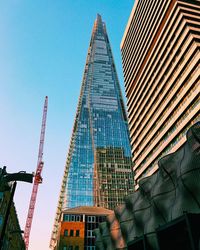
point(43, 49)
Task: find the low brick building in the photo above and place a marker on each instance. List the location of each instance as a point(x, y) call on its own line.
point(77, 225)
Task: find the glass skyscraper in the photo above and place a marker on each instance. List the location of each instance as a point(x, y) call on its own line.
point(99, 167)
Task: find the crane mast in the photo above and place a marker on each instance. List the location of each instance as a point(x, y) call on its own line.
point(37, 178)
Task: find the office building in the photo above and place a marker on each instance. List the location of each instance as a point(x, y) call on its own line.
point(161, 53)
point(98, 170)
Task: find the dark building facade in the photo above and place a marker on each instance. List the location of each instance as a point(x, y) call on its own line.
point(98, 170)
point(13, 239)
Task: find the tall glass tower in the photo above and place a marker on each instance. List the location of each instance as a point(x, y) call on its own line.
point(99, 167)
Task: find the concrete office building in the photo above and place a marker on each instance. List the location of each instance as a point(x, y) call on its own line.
point(161, 53)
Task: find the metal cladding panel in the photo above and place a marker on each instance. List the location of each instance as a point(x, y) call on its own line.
point(98, 239)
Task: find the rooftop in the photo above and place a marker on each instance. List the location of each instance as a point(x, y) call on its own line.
point(88, 210)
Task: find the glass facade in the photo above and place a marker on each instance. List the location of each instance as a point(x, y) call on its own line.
point(100, 125)
point(99, 164)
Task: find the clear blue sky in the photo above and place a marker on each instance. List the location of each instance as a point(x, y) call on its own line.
point(43, 50)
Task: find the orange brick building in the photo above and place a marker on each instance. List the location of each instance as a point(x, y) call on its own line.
point(77, 225)
point(72, 235)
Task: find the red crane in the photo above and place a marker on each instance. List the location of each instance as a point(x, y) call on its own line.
point(37, 178)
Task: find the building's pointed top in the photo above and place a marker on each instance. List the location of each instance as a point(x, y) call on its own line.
point(99, 17)
point(99, 25)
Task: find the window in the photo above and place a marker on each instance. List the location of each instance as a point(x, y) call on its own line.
point(70, 248)
point(64, 248)
point(1, 197)
point(66, 232)
point(71, 232)
point(1, 220)
point(91, 219)
point(90, 234)
point(78, 218)
point(77, 233)
point(76, 248)
point(66, 217)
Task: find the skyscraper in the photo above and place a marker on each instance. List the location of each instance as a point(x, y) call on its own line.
point(98, 170)
point(160, 54)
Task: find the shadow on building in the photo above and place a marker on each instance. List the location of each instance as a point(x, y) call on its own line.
point(13, 239)
point(164, 213)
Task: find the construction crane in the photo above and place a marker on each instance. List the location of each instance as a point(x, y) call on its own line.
point(37, 177)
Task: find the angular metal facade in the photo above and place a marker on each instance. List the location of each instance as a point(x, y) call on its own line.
point(154, 216)
point(99, 167)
